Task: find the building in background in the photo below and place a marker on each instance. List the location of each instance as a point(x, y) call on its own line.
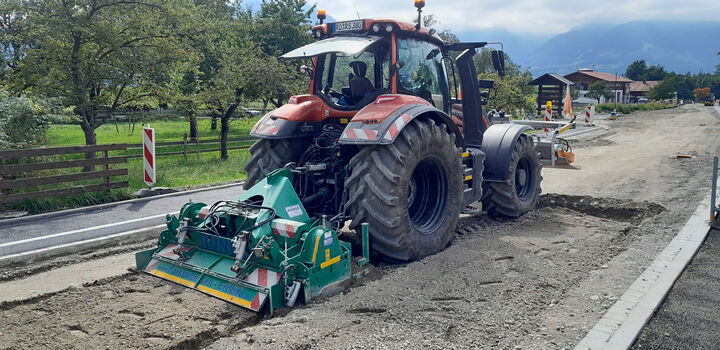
point(639, 89)
point(550, 88)
point(618, 85)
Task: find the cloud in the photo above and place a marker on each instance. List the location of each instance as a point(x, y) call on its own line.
point(533, 17)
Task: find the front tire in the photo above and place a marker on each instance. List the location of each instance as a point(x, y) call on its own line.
point(519, 194)
point(268, 155)
point(410, 192)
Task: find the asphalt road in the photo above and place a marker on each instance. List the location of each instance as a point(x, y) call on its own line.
point(94, 216)
point(690, 316)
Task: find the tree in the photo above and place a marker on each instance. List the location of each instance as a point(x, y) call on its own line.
point(654, 73)
point(511, 93)
point(702, 93)
point(666, 89)
point(599, 89)
point(100, 55)
point(636, 70)
point(282, 25)
point(639, 70)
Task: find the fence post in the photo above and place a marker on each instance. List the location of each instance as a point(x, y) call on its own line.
point(106, 167)
point(185, 145)
point(197, 146)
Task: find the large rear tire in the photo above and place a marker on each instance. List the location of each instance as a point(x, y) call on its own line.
point(519, 194)
point(409, 192)
point(268, 155)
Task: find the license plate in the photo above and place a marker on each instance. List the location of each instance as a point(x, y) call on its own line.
point(348, 26)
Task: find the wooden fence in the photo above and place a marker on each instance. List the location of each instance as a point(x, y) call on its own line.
point(105, 174)
point(189, 146)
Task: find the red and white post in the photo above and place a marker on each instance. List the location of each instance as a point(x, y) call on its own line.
point(149, 165)
point(589, 114)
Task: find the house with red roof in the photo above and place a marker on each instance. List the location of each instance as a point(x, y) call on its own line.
point(618, 85)
point(640, 89)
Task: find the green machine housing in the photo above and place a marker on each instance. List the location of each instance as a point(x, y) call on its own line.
point(262, 249)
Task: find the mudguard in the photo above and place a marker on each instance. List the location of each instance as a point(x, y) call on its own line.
point(498, 145)
point(380, 122)
point(273, 127)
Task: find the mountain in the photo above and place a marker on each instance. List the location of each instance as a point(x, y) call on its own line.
point(678, 46)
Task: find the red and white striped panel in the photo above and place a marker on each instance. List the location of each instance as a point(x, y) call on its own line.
point(166, 252)
point(286, 228)
point(396, 126)
point(263, 277)
point(360, 134)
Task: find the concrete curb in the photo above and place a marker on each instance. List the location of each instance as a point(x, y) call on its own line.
point(624, 321)
point(579, 132)
point(22, 219)
point(86, 234)
point(132, 236)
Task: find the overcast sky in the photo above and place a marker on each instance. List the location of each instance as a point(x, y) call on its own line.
point(533, 17)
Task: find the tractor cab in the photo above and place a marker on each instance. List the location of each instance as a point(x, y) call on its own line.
point(355, 62)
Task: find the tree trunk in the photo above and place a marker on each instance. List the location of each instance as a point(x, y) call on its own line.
point(90, 139)
point(193, 126)
point(225, 129)
point(213, 121)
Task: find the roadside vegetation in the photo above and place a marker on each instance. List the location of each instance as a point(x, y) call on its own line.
point(629, 108)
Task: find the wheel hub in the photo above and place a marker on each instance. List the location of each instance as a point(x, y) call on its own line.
point(427, 195)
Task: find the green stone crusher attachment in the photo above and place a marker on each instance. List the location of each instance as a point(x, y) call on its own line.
point(262, 250)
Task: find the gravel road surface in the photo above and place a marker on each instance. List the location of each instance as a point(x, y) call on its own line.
point(539, 282)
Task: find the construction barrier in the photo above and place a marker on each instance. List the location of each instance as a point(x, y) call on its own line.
point(589, 115)
point(149, 165)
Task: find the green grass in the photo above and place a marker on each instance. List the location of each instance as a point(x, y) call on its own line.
point(172, 171)
point(165, 131)
point(627, 109)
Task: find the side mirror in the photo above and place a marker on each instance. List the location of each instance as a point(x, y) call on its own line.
point(306, 70)
point(498, 60)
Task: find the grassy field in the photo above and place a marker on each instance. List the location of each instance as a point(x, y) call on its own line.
point(165, 130)
point(172, 171)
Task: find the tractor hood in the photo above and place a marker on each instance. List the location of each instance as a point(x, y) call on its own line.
point(341, 45)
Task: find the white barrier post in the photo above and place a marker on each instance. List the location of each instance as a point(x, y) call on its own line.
point(149, 165)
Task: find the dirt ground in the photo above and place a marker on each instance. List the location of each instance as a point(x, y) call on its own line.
point(538, 282)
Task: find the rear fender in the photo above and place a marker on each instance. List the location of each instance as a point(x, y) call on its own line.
point(498, 145)
point(273, 127)
point(381, 122)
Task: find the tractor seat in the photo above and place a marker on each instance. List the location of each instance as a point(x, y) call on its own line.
point(360, 85)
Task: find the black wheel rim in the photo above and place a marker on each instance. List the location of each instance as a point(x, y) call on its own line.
point(427, 195)
point(524, 175)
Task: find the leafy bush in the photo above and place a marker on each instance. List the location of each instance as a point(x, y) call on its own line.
point(23, 123)
point(627, 109)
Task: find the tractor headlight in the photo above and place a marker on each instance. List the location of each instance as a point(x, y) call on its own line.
point(376, 28)
point(389, 28)
point(318, 34)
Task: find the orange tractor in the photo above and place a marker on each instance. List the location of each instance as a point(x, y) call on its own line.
point(383, 138)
